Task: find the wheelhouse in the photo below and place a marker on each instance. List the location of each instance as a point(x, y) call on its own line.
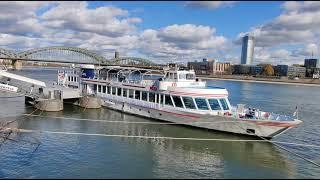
point(180, 76)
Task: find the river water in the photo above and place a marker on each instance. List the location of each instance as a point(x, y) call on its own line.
point(81, 156)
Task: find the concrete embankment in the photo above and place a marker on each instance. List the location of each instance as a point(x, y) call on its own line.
point(90, 102)
point(49, 104)
point(301, 82)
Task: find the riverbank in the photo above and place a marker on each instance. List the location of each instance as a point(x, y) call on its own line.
point(302, 82)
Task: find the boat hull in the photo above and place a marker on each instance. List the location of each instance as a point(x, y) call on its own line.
point(265, 129)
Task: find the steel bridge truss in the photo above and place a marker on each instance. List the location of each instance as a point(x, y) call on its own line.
point(63, 54)
point(7, 53)
point(131, 61)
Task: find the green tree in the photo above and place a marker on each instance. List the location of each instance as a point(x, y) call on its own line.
point(268, 70)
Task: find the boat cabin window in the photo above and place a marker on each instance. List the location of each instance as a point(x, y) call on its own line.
point(108, 89)
point(168, 100)
point(162, 98)
point(224, 104)
point(94, 88)
point(190, 76)
point(131, 93)
point(99, 88)
point(201, 103)
point(114, 90)
point(188, 102)
point(171, 76)
point(175, 76)
point(152, 97)
point(137, 95)
point(144, 96)
point(157, 98)
point(124, 94)
point(177, 101)
point(104, 89)
point(182, 76)
point(119, 92)
point(214, 104)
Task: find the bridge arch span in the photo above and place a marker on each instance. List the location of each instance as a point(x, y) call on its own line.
point(7, 53)
point(131, 61)
point(73, 54)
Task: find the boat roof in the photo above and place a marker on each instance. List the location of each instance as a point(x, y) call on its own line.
point(209, 92)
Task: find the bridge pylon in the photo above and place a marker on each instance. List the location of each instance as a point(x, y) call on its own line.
point(17, 65)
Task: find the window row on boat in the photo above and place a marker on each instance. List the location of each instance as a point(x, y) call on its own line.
point(73, 78)
point(181, 75)
point(187, 102)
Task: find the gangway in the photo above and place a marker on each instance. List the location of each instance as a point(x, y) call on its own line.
point(22, 78)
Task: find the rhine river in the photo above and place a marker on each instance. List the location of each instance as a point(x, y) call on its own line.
point(81, 156)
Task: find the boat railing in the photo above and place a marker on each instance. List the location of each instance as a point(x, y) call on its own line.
point(131, 81)
point(244, 113)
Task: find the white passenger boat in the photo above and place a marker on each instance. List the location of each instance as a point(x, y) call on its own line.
point(178, 96)
point(8, 88)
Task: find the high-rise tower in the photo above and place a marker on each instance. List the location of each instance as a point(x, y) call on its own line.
point(247, 49)
point(116, 55)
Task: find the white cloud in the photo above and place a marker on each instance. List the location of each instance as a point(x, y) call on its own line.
point(209, 4)
point(184, 42)
point(284, 56)
point(19, 9)
point(281, 53)
point(16, 42)
point(307, 51)
point(19, 17)
point(105, 29)
point(68, 24)
point(298, 24)
point(294, 6)
point(109, 21)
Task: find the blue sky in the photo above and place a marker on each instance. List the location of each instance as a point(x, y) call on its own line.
point(285, 31)
point(229, 21)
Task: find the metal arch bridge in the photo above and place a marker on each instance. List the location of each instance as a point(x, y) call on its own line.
point(64, 54)
point(131, 61)
point(7, 53)
point(70, 54)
